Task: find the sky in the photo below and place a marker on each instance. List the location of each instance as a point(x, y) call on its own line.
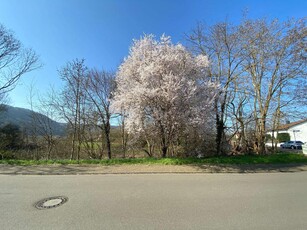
point(101, 31)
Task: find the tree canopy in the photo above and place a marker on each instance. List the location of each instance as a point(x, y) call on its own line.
point(163, 90)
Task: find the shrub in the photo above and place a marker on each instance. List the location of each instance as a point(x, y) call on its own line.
point(283, 137)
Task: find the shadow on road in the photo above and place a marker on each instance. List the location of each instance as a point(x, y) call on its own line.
point(254, 168)
point(45, 170)
point(148, 169)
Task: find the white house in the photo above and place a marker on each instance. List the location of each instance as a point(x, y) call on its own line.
point(297, 130)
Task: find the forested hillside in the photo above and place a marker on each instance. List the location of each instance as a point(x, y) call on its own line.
point(29, 121)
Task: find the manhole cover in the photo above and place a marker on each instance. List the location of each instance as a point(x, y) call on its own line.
point(51, 202)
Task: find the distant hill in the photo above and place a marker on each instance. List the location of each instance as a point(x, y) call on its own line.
point(24, 119)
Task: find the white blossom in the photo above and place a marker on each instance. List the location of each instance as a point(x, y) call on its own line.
point(162, 85)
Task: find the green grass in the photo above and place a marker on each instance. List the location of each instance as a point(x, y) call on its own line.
point(249, 159)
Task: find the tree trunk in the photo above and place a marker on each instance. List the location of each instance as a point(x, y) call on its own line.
point(149, 150)
point(164, 151)
point(219, 135)
point(107, 129)
point(260, 148)
point(72, 151)
point(108, 146)
point(219, 130)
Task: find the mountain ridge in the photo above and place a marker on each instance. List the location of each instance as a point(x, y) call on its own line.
point(25, 120)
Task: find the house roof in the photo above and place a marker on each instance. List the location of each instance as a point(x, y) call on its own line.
point(288, 126)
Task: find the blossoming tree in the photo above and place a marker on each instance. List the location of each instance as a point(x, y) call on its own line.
point(163, 90)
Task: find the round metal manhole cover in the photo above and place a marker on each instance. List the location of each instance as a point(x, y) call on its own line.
point(51, 202)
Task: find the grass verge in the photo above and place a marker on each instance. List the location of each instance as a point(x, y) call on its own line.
point(248, 159)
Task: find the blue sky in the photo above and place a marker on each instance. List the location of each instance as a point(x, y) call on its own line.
point(101, 31)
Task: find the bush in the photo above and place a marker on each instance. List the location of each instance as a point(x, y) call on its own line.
point(10, 137)
point(283, 137)
point(6, 155)
point(268, 137)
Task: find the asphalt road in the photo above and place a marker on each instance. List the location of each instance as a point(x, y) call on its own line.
point(159, 201)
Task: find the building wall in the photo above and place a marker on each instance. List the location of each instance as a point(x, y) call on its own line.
point(300, 132)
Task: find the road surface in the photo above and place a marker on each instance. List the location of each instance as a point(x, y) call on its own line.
point(159, 201)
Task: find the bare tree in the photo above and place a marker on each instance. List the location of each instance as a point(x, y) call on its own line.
point(45, 119)
point(44, 130)
point(71, 103)
point(274, 58)
point(14, 61)
point(253, 61)
point(221, 43)
point(99, 86)
point(33, 132)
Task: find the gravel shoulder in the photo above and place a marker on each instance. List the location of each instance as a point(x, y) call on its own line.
point(6, 169)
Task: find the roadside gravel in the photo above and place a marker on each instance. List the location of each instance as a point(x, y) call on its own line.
point(146, 169)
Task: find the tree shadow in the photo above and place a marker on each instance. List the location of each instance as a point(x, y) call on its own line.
point(253, 168)
point(44, 170)
point(6, 169)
